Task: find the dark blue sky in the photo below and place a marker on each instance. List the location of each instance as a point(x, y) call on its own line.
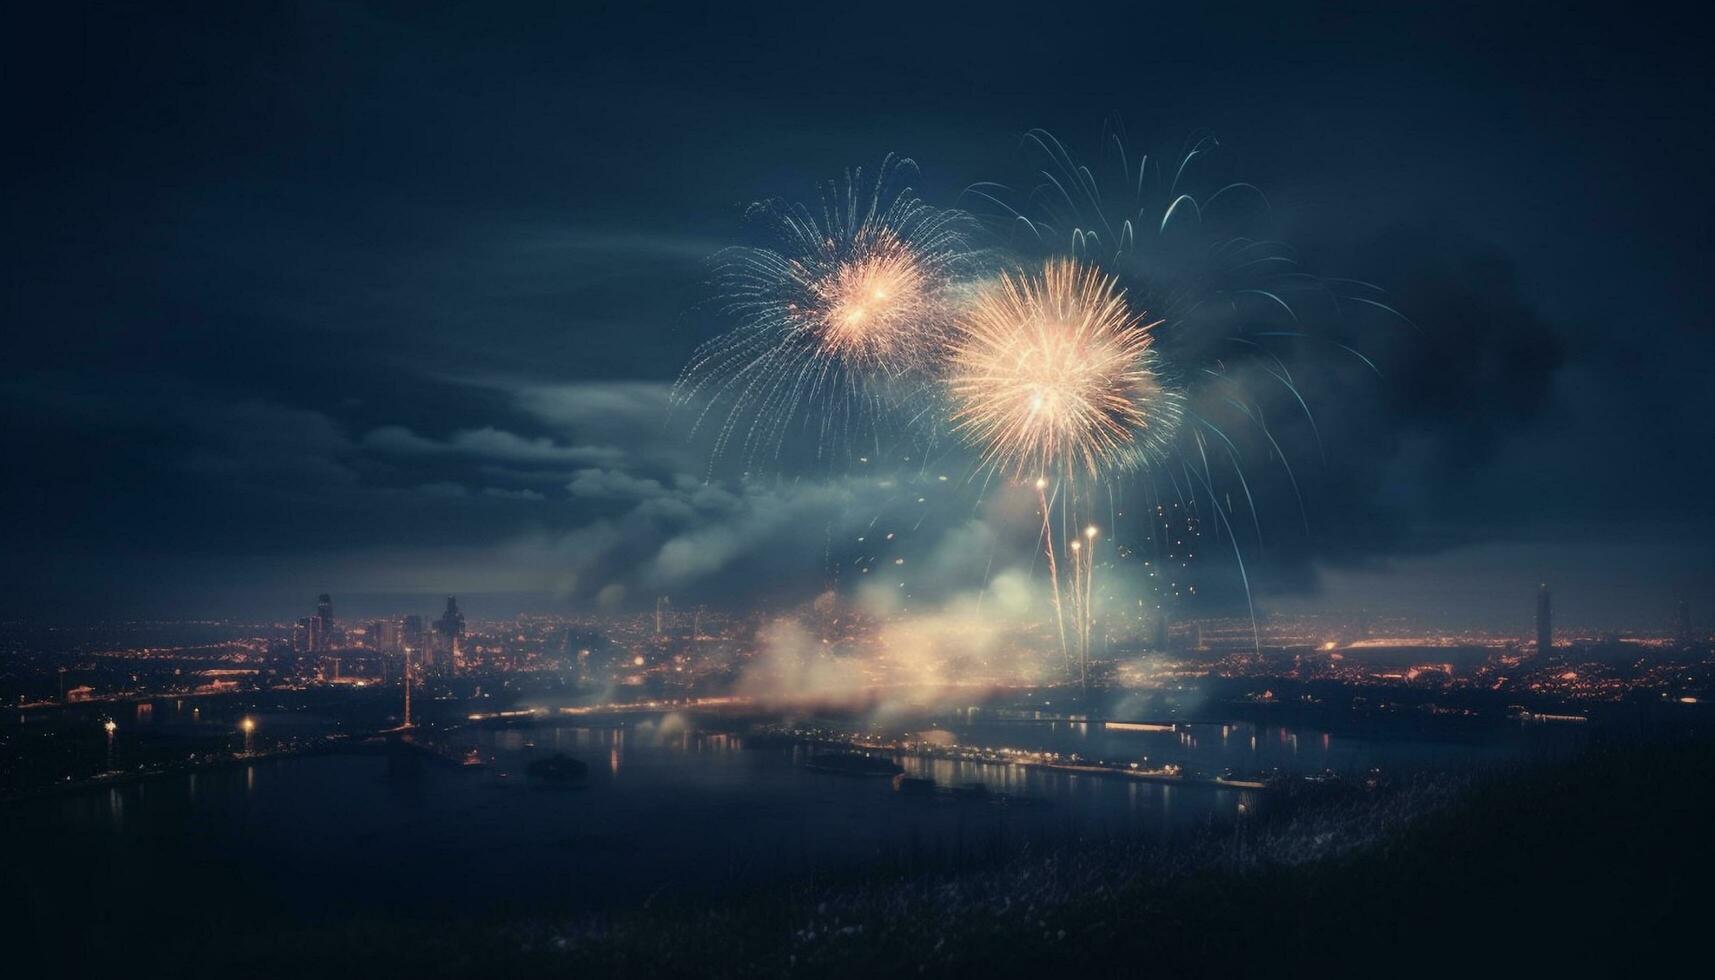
point(384, 297)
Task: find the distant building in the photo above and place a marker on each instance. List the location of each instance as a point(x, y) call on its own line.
point(384, 636)
point(449, 635)
point(1544, 621)
point(411, 633)
point(324, 623)
point(301, 632)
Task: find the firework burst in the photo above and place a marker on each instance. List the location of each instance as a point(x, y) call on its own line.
point(1052, 373)
point(877, 308)
point(839, 323)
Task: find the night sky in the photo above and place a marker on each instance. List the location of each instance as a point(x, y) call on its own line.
point(386, 298)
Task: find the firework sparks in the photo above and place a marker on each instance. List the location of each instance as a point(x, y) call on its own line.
point(877, 308)
point(839, 325)
point(1052, 373)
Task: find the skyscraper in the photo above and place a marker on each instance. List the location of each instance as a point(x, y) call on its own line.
point(1684, 623)
point(449, 635)
point(411, 633)
point(1544, 623)
point(324, 623)
point(387, 636)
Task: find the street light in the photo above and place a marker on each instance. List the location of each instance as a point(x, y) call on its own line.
point(247, 726)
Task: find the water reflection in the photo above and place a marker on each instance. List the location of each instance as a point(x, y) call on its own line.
point(673, 807)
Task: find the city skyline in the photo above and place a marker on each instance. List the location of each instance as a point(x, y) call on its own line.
point(1640, 611)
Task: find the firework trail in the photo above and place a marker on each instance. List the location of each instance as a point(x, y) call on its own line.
point(1053, 566)
point(839, 322)
point(1051, 378)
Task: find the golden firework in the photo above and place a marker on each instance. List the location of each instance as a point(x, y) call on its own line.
point(875, 306)
point(1051, 372)
point(838, 325)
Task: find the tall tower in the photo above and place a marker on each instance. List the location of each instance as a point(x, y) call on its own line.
point(324, 623)
point(449, 633)
point(1544, 621)
point(407, 723)
point(1684, 624)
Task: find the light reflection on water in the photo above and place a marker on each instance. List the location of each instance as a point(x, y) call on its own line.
point(672, 807)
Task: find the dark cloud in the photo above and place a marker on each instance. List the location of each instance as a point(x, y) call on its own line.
point(487, 442)
point(1469, 381)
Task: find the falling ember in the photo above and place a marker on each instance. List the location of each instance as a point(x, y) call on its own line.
point(1053, 373)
